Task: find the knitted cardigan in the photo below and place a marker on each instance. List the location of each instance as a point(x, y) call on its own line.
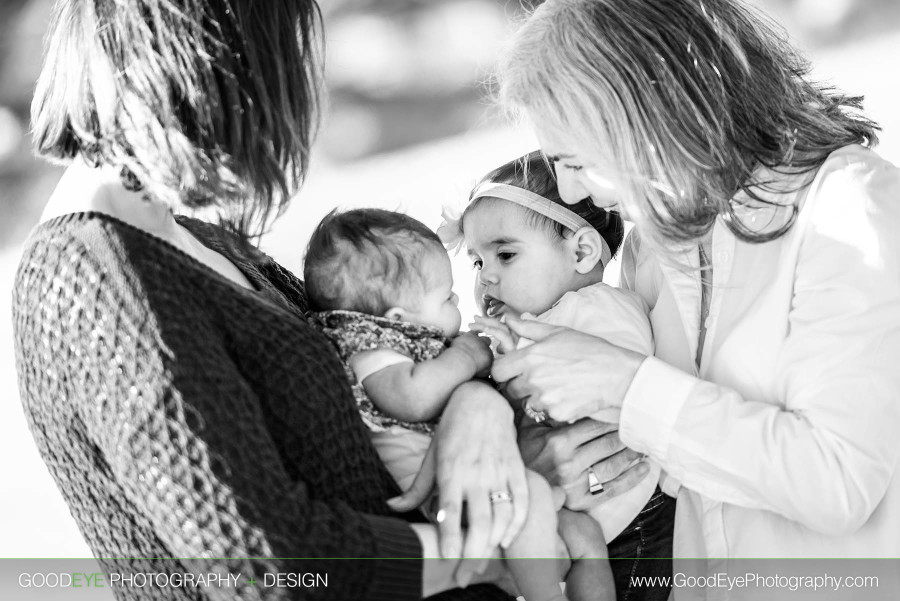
point(183, 416)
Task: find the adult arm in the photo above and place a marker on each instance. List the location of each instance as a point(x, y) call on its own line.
point(186, 440)
point(628, 281)
point(474, 453)
point(838, 384)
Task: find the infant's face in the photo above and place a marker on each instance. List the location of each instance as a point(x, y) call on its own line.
point(439, 305)
point(520, 268)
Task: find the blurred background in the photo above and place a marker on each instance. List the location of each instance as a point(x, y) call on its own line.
point(409, 127)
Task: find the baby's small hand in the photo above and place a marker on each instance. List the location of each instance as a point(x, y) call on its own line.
point(478, 348)
point(497, 330)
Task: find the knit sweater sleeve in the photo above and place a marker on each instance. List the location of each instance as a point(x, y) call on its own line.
point(185, 438)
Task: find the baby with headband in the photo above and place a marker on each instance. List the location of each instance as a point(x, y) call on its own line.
point(539, 258)
point(381, 284)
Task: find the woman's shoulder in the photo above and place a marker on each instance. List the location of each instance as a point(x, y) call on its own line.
point(67, 238)
point(856, 170)
point(88, 237)
point(91, 256)
point(858, 156)
point(854, 186)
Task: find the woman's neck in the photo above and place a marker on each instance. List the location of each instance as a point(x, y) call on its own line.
point(88, 189)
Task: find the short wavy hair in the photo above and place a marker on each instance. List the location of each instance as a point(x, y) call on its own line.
point(369, 260)
point(686, 100)
point(203, 103)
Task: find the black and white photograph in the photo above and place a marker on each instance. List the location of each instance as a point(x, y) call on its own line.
point(458, 300)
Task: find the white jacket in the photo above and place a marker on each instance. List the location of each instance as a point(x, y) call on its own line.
point(786, 440)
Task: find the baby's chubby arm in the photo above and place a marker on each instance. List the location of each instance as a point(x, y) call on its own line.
point(416, 392)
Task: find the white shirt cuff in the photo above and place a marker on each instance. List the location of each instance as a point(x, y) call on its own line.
point(651, 406)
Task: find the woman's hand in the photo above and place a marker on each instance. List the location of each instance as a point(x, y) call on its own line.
point(439, 575)
point(475, 454)
point(564, 453)
point(497, 331)
point(567, 374)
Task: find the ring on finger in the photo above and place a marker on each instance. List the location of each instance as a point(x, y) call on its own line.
point(595, 487)
point(500, 496)
point(537, 416)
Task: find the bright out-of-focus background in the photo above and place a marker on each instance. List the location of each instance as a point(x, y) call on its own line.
point(409, 127)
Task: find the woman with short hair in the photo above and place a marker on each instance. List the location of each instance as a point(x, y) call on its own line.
point(190, 416)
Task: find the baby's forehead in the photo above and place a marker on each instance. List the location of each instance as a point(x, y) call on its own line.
point(496, 210)
point(494, 216)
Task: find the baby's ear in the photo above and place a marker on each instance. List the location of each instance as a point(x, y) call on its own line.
point(588, 248)
point(396, 313)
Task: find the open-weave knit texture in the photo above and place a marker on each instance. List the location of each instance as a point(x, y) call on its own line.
point(183, 416)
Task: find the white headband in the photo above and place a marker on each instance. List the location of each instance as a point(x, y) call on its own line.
point(450, 230)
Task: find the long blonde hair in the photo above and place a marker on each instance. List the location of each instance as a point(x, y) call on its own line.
point(689, 101)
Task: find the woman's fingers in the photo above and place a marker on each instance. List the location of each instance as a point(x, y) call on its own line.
point(596, 450)
point(531, 329)
point(476, 457)
point(610, 468)
point(449, 518)
point(518, 488)
point(624, 481)
point(567, 374)
point(497, 331)
point(479, 527)
point(606, 453)
point(468, 568)
point(511, 365)
point(503, 513)
point(587, 429)
point(516, 388)
point(581, 499)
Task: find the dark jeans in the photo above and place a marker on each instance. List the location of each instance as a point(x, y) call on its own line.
point(644, 550)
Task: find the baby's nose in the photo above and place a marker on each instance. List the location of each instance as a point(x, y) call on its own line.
point(487, 276)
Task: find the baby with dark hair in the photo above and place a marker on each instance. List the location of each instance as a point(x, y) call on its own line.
point(537, 257)
point(381, 284)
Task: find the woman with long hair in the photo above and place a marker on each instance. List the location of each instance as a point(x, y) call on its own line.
point(766, 247)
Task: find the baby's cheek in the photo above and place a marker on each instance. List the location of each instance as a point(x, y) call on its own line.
point(456, 319)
